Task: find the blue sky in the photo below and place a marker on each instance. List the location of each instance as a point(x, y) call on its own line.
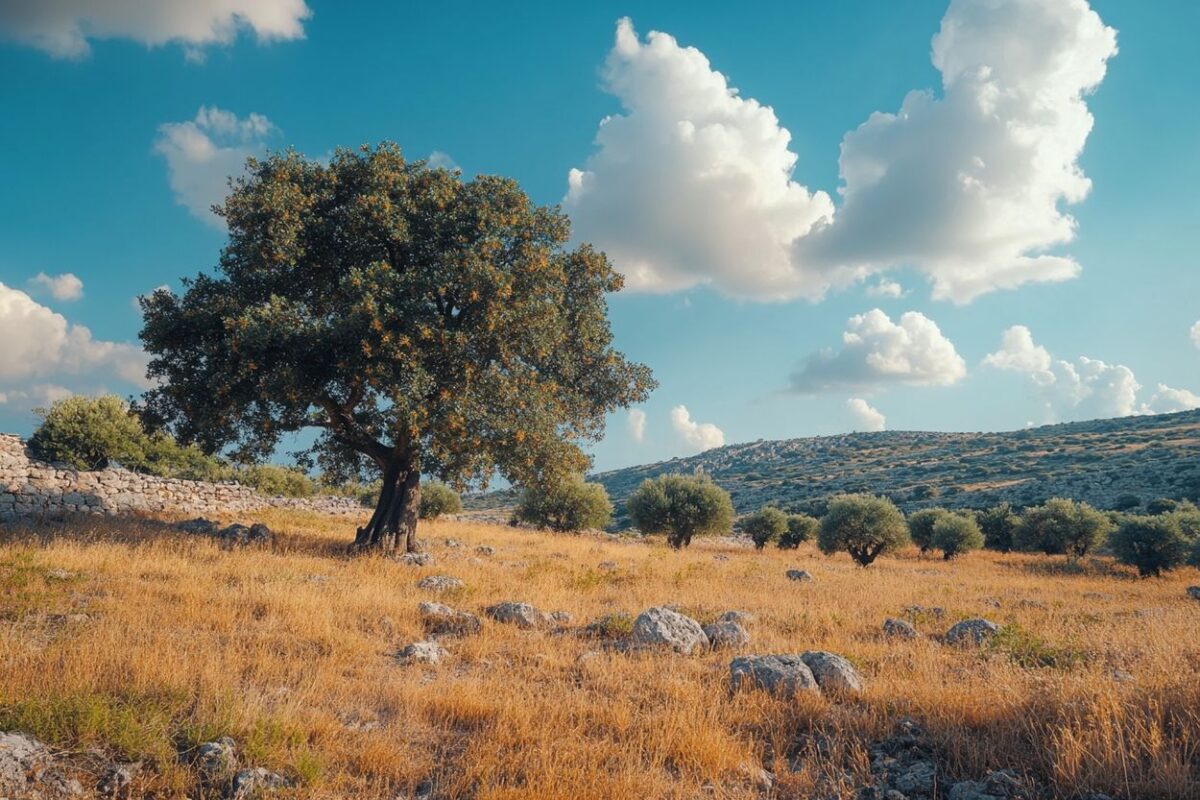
point(754, 294)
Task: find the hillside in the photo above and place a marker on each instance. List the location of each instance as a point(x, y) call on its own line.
point(1097, 461)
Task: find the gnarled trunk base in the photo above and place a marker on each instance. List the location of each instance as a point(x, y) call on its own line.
point(393, 525)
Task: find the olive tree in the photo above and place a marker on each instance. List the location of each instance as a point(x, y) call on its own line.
point(998, 524)
point(1062, 526)
point(681, 506)
point(863, 525)
point(920, 526)
point(765, 525)
point(955, 534)
point(800, 529)
point(571, 505)
point(1152, 544)
point(88, 433)
point(422, 324)
point(437, 499)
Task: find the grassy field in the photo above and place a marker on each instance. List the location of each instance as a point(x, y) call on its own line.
point(143, 643)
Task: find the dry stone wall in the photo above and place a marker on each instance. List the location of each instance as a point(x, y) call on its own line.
point(32, 488)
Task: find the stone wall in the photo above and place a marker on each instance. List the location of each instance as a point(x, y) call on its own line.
point(31, 488)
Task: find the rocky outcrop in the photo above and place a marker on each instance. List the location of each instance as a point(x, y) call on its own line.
point(784, 675)
point(972, 632)
point(663, 627)
point(32, 488)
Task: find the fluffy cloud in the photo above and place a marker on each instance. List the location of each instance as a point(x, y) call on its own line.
point(865, 417)
point(636, 422)
point(63, 28)
point(42, 350)
point(203, 153)
point(1087, 388)
point(876, 351)
point(692, 184)
point(64, 287)
point(885, 288)
point(698, 435)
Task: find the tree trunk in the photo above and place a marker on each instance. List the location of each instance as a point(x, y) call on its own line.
point(394, 521)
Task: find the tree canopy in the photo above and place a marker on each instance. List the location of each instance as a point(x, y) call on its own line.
point(571, 505)
point(681, 506)
point(863, 525)
point(765, 525)
point(423, 323)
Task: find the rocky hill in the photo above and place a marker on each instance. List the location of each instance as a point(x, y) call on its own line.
point(1104, 462)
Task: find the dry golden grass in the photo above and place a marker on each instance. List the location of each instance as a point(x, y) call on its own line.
point(290, 651)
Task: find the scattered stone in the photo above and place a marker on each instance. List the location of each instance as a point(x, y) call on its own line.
point(453, 543)
point(1194, 592)
point(661, 626)
point(1027, 603)
point(523, 615)
point(608, 566)
point(439, 583)
point(240, 535)
point(742, 618)
point(441, 620)
point(1121, 676)
point(414, 559)
point(118, 780)
point(726, 634)
point(899, 629)
point(251, 782)
point(260, 533)
point(198, 525)
point(834, 673)
point(422, 653)
point(916, 612)
point(213, 758)
point(777, 674)
point(27, 769)
point(972, 632)
point(58, 574)
point(799, 575)
point(1000, 785)
point(560, 617)
point(485, 550)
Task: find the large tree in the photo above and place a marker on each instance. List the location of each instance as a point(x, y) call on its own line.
point(423, 323)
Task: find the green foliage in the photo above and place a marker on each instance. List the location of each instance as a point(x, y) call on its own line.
point(88, 433)
point(681, 506)
point(955, 534)
point(276, 480)
point(765, 525)
point(920, 526)
point(437, 499)
point(572, 505)
point(998, 524)
point(800, 528)
point(1163, 505)
point(422, 323)
point(1152, 544)
point(1126, 502)
point(865, 526)
point(1193, 558)
point(1029, 650)
point(1062, 526)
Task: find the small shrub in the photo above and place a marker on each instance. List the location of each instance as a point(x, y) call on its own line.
point(1152, 544)
point(955, 534)
point(765, 526)
point(800, 528)
point(1027, 649)
point(89, 433)
point(865, 526)
point(1126, 502)
point(1062, 526)
point(438, 499)
point(920, 526)
point(569, 506)
point(277, 481)
point(681, 506)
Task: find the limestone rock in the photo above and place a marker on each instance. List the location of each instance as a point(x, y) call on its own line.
point(523, 615)
point(441, 620)
point(662, 627)
point(799, 575)
point(439, 583)
point(422, 653)
point(726, 634)
point(899, 629)
point(777, 674)
point(251, 783)
point(834, 674)
point(213, 758)
point(972, 632)
point(414, 559)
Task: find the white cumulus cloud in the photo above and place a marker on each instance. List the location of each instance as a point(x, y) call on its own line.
point(698, 435)
point(877, 352)
point(63, 28)
point(865, 417)
point(692, 183)
point(43, 350)
point(885, 287)
point(64, 287)
point(203, 153)
point(1086, 388)
point(636, 422)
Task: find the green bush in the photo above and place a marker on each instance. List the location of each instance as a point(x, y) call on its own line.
point(865, 526)
point(955, 534)
point(572, 505)
point(277, 481)
point(1062, 526)
point(998, 524)
point(800, 529)
point(765, 525)
point(89, 433)
point(920, 526)
point(1152, 544)
point(681, 506)
point(1163, 505)
point(438, 499)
